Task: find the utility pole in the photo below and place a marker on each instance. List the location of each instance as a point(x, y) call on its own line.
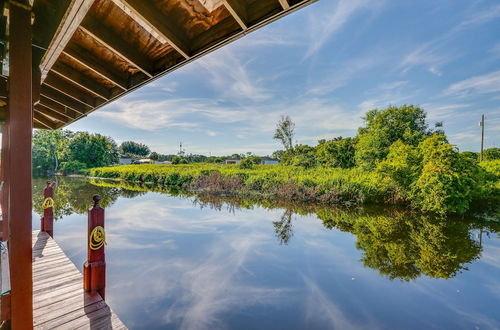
point(482, 138)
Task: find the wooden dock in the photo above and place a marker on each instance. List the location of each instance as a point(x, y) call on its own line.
point(59, 301)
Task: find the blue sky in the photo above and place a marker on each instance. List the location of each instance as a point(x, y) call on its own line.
point(325, 66)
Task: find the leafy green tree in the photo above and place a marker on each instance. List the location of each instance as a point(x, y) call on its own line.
point(384, 127)
point(154, 156)
point(285, 131)
point(134, 148)
point(247, 163)
point(302, 155)
point(402, 165)
point(49, 150)
point(338, 152)
point(491, 154)
point(93, 150)
point(473, 156)
point(448, 180)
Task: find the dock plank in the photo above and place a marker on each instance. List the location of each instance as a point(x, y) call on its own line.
point(59, 301)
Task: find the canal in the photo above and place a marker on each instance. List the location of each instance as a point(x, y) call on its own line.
point(180, 261)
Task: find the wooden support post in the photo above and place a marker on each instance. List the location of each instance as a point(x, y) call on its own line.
point(20, 135)
point(47, 221)
point(5, 312)
point(94, 269)
point(5, 180)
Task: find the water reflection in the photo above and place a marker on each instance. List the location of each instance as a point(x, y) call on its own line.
point(195, 262)
point(400, 244)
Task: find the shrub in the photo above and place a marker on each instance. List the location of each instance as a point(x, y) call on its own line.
point(447, 181)
point(73, 166)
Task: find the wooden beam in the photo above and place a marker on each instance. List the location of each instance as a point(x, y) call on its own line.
point(238, 11)
point(71, 20)
point(57, 107)
point(45, 121)
point(58, 83)
point(20, 195)
point(117, 45)
point(80, 55)
point(284, 4)
point(81, 80)
point(64, 100)
point(145, 13)
point(54, 114)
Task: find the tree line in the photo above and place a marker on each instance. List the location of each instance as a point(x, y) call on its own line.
point(398, 143)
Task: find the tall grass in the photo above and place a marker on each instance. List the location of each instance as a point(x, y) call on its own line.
point(347, 186)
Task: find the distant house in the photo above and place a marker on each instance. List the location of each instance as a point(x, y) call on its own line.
point(125, 160)
point(269, 161)
point(232, 161)
point(162, 162)
point(144, 161)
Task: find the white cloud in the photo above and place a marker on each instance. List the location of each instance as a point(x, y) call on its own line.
point(230, 77)
point(484, 84)
point(324, 25)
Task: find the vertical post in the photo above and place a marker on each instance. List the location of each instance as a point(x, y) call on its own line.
point(20, 135)
point(482, 138)
point(47, 221)
point(4, 199)
point(94, 269)
point(5, 313)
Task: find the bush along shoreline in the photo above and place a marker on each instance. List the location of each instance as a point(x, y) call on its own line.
point(442, 188)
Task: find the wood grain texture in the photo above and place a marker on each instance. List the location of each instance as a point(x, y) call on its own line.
point(59, 301)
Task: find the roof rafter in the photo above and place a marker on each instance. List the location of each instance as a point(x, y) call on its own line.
point(57, 107)
point(62, 85)
point(115, 44)
point(45, 121)
point(77, 54)
point(74, 15)
point(284, 4)
point(64, 100)
point(81, 80)
point(49, 112)
point(238, 11)
point(146, 15)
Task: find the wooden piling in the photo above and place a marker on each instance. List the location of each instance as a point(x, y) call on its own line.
point(94, 269)
point(47, 221)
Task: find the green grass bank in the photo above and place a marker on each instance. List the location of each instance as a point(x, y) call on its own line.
point(324, 185)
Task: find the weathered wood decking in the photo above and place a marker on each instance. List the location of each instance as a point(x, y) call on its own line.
point(59, 301)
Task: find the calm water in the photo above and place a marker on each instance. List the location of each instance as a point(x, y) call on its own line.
point(196, 263)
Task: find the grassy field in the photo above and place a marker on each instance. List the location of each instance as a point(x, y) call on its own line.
point(324, 185)
point(319, 184)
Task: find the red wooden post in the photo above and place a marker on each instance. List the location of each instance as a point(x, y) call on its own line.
point(94, 269)
point(20, 130)
point(47, 221)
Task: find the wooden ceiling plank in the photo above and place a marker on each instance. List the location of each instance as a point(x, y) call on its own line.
point(62, 99)
point(115, 44)
point(55, 81)
point(45, 121)
point(43, 109)
point(238, 11)
point(81, 80)
point(284, 4)
point(144, 12)
point(77, 54)
point(71, 20)
point(56, 107)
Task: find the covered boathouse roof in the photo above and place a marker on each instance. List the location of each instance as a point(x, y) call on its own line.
point(91, 52)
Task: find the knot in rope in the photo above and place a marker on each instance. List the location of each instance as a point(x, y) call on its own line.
point(48, 202)
point(97, 238)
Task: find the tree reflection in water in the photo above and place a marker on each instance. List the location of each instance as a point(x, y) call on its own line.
point(400, 244)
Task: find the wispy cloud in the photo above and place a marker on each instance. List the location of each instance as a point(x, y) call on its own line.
point(230, 77)
point(484, 84)
point(324, 25)
point(435, 53)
